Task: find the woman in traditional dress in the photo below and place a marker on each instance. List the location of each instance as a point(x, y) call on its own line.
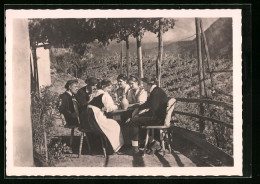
point(87, 93)
point(93, 117)
point(123, 87)
point(136, 95)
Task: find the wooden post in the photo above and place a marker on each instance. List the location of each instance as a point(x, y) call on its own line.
point(200, 71)
point(127, 57)
point(191, 69)
point(45, 144)
point(207, 51)
point(32, 75)
point(118, 66)
point(121, 59)
point(139, 57)
point(35, 66)
point(160, 52)
point(203, 66)
point(91, 55)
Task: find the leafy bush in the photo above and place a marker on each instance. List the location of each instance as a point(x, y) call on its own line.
point(57, 149)
point(42, 120)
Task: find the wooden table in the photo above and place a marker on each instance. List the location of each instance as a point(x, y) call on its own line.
point(124, 114)
point(120, 112)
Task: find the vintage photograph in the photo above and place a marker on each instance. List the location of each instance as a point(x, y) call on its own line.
point(123, 92)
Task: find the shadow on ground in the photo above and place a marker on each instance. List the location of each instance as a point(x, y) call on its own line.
point(184, 154)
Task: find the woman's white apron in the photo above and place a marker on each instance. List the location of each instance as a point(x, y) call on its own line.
point(110, 128)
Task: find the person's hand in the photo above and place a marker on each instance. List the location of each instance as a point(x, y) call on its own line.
point(103, 109)
point(128, 120)
point(118, 105)
point(135, 112)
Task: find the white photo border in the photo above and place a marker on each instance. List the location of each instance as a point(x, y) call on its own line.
point(236, 170)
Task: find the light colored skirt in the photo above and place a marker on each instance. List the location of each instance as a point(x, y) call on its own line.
point(109, 127)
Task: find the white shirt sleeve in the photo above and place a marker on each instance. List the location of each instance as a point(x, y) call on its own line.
point(143, 97)
point(108, 103)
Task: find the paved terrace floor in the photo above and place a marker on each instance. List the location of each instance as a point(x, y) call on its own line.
point(184, 154)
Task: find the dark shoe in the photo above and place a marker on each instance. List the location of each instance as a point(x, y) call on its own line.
point(155, 146)
point(118, 153)
point(151, 152)
point(136, 151)
point(137, 154)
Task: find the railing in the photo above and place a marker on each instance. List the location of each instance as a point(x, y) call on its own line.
point(214, 102)
point(211, 149)
point(206, 101)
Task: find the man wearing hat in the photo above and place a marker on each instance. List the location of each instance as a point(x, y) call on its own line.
point(87, 93)
point(68, 105)
point(157, 104)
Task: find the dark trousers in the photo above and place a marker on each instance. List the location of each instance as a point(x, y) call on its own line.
point(144, 119)
point(124, 127)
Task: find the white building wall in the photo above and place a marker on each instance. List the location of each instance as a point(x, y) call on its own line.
point(43, 61)
point(22, 147)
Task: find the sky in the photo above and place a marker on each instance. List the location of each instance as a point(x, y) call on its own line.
point(184, 27)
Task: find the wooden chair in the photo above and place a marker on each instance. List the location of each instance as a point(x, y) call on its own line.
point(102, 140)
point(83, 134)
point(165, 134)
point(70, 127)
point(66, 125)
point(92, 130)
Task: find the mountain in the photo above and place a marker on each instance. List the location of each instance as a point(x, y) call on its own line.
point(219, 39)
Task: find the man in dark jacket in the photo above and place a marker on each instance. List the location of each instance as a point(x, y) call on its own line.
point(86, 94)
point(68, 105)
point(156, 105)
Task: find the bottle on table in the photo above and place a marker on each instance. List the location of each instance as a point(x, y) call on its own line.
point(124, 102)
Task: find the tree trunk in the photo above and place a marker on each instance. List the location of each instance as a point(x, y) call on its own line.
point(35, 66)
point(139, 57)
point(200, 71)
point(160, 53)
point(127, 57)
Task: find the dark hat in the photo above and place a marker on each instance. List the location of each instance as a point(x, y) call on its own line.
point(149, 81)
point(69, 82)
point(105, 83)
point(91, 81)
point(134, 79)
point(122, 76)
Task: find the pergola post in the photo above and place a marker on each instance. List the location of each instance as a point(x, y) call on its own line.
point(160, 52)
point(200, 71)
point(139, 57)
point(121, 59)
point(128, 63)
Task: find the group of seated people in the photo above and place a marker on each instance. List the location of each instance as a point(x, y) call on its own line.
point(88, 107)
